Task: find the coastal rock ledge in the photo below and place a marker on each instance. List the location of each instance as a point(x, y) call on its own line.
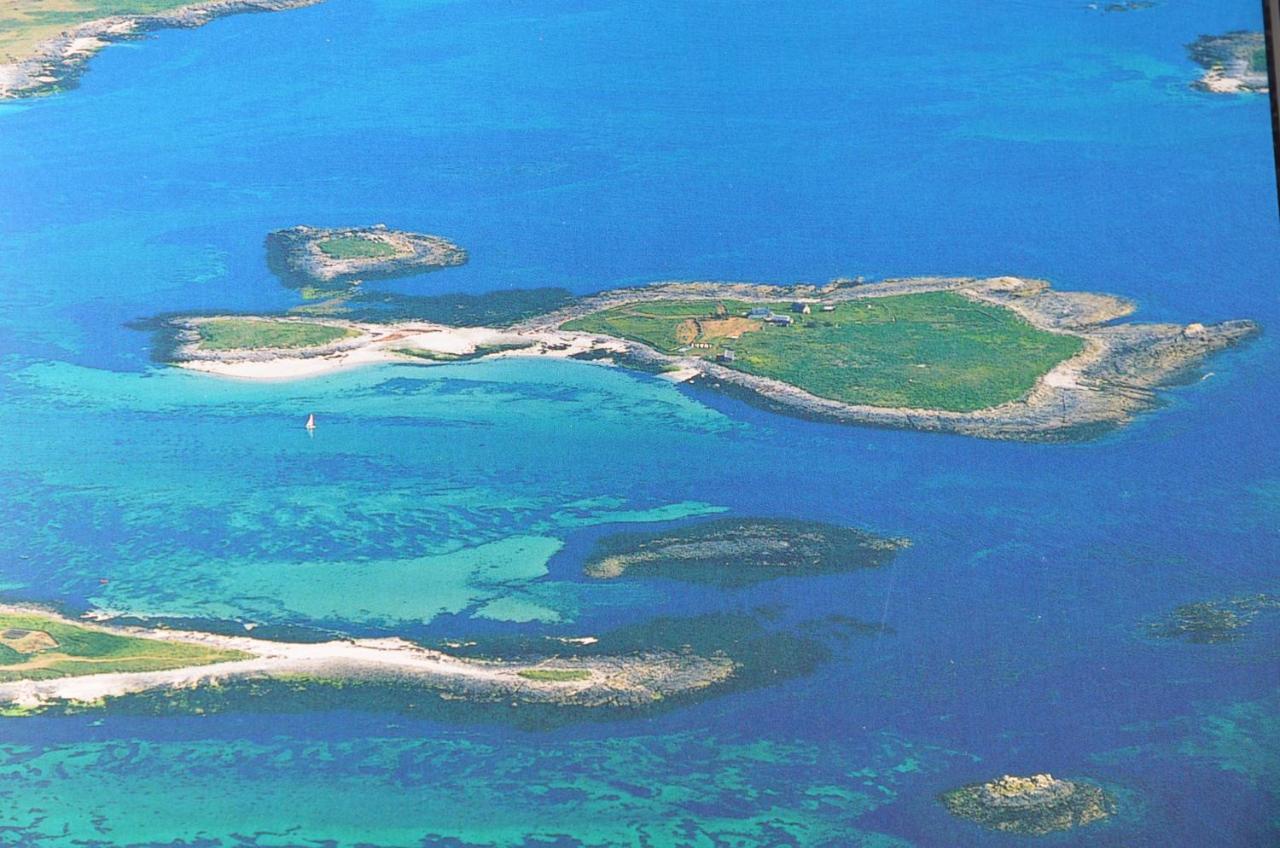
point(1030, 806)
point(328, 257)
point(56, 63)
point(1234, 63)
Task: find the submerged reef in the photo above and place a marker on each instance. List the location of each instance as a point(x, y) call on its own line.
point(1235, 63)
point(1213, 622)
point(1030, 806)
point(337, 257)
point(739, 551)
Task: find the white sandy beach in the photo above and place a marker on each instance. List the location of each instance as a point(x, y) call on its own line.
point(382, 343)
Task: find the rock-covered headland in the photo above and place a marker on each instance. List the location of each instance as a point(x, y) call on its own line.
point(56, 63)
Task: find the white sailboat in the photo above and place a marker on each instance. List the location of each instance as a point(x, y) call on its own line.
point(311, 421)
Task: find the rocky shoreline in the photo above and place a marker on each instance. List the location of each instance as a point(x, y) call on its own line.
point(58, 62)
point(297, 255)
point(1230, 63)
point(1113, 379)
point(595, 681)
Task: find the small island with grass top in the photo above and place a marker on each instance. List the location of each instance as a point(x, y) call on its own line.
point(1235, 63)
point(1031, 806)
point(45, 44)
point(335, 258)
point(740, 551)
point(47, 659)
point(999, 358)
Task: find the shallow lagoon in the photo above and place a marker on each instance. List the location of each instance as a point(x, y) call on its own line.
point(591, 146)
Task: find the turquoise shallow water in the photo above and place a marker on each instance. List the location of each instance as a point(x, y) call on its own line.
point(589, 146)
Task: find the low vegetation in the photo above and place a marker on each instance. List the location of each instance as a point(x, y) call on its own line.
point(37, 647)
point(445, 356)
point(255, 333)
point(492, 309)
point(933, 350)
point(554, 675)
point(355, 247)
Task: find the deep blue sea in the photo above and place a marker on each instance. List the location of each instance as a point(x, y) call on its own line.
point(591, 145)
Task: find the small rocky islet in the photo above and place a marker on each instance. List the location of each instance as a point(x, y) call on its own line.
point(740, 551)
point(1030, 806)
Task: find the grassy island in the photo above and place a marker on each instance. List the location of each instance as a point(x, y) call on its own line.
point(931, 350)
point(258, 333)
point(39, 647)
point(998, 358)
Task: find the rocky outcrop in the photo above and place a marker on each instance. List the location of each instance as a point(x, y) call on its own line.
point(1234, 63)
point(296, 256)
point(1031, 806)
point(740, 551)
point(1113, 379)
point(57, 63)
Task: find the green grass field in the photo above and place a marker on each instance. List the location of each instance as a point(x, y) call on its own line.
point(554, 675)
point(253, 333)
point(933, 350)
point(80, 650)
point(355, 247)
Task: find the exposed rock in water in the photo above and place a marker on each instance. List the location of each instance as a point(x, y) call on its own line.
point(1235, 63)
point(298, 256)
point(1213, 622)
point(739, 551)
point(1031, 806)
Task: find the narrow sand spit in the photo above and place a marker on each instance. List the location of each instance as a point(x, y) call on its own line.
point(630, 680)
